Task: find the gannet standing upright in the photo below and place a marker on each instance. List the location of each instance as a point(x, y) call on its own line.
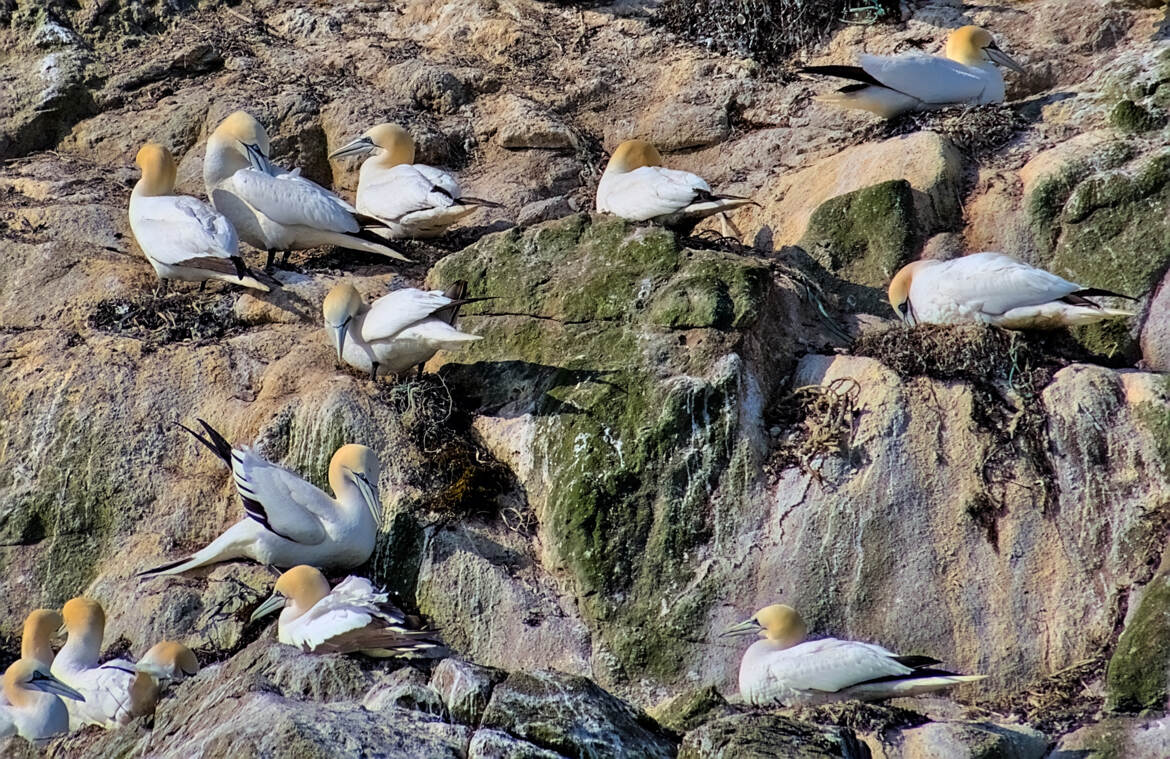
point(33, 707)
point(182, 237)
point(397, 331)
point(276, 210)
point(993, 288)
point(892, 85)
point(635, 186)
point(415, 200)
point(781, 669)
point(107, 687)
point(352, 618)
point(290, 521)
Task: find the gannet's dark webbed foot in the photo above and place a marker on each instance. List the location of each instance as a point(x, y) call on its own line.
point(284, 257)
point(271, 259)
point(420, 371)
point(203, 286)
point(374, 372)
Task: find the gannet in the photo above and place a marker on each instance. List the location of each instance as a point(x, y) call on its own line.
point(397, 331)
point(635, 186)
point(182, 237)
point(109, 687)
point(34, 709)
point(781, 669)
point(415, 200)
point(276, 210)
point(352, 618)
point(892, 85)
point(36, 640)
point(166, 663)
point(993, 288)
point(290, 521)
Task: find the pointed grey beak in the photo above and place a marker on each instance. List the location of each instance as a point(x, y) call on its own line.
point(370, 496)
point(273, 603)
point(357, 147)
point(1003, 59)
point(257, 158)
point(746, 627)
point(46, 682)
point(341, 330)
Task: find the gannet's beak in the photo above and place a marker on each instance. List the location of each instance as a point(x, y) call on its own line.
point(256, 156)
point(341, 330)
point(1003, 59)
point(357, 147)
point(273, 603)
point(43, 681)
point(62, 632)
point(746, 627)
point(370, 496)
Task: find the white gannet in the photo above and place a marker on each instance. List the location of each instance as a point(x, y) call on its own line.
point(34, 709)
point(166, 663)
point(993, 288)
point(401, 329)
point(275, 210)
point(635, 186)
point(290, 521)
point(781, 669)
point(891, 85)
point(109, 686)
point(182, 237)
point(352, 618)
point(36, 640)
point(415, 200)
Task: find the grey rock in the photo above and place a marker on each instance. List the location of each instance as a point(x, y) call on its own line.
point(495, 744)
point(465, 688)
point(768, 736)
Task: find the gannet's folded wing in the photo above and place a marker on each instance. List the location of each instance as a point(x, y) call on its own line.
point(293, 201)
point(652, 191)
point(295, 176)
point(997, 283)
point(279, 500)
point(403, 190)
point(396, 311)
point(930, 78)
point(831, 665)
point(181, 230)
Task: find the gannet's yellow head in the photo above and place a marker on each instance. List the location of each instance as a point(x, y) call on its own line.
point(356, 466)
point(24, 675)
point(778, 623)
point(633, 154)
point(83, 615)
point(158, 170)
point(971, 45)
point(241, 128)
point(298, 588)
point(341, 305)
point(392, 144)
point(39, 628)
point(899, 292)
point(168, 660)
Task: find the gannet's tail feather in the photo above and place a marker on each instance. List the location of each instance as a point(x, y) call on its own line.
point(215, 442)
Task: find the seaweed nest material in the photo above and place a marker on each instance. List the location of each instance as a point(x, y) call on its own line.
point(810, 424)
point(861, 717)
point(977, 130)
point(1061, 702)
point(160, 319)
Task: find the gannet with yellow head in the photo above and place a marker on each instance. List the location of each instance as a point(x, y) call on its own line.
point(413, 199)
point(993, 288)
point(290, 521)
point(351, 618)
point(36, 640)
point(966, 74)
point(165, 664)
point(401, 329)
point(785, 669)
point(635, 186)
point(183, 238)
point(277, 210)
point(33, 707)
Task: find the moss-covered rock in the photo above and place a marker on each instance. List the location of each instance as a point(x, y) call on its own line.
point(767, 736)
point(1128, 116)
point(691, 708)
point(1139, 673)
point(866, 235)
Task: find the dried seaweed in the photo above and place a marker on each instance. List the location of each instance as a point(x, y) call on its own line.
point(1059, 703)
point(814, 423)
point(161, 319)
point(977, 130)
point(860, 716)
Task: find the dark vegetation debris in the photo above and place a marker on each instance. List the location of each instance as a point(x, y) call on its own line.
point(159, 319)
point(977, 130)
point(815, 422)
point(861, 717)
point(1059, 703)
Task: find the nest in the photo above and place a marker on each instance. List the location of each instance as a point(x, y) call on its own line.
point(160, 319)
point(815, 422)
point(977, 130)
point(861, 717)
point(1059, 703)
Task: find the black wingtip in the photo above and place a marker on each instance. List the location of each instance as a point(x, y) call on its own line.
point(856, 73)
point(468, 200)
point(163, 567)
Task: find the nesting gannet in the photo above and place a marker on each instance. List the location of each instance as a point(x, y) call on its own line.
point(397, 331)
point(166, 663)
point(891, 85)
point(415, 200)
point(182, 237)
point(352, 618)
point(635, 186)
point(275, 210)
point(36, 640)
point(109, 687)
point(34, 709)
point(290, 521)
point(993, 288)
point(781, 669)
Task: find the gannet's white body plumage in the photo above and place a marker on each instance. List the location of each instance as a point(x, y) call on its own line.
point(413, 199)
point(351, 618)
point(967, 74)
point(637, 187)
point(992, 288)
point(780, 669)
point(273, 209)
point(183, 238)
point(291, 521)
point(400, 330)
point(34, 708)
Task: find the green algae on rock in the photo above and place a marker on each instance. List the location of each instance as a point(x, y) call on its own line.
point(1138, 676)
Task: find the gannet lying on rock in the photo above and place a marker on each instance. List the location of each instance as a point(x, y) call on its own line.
point(784, 669)
point(351, 618)
point(34, 709)
point(415, 200)
point(401, 329)
point(635, 186)
point(290, 521)
point(993, 288)
point(892, 85)
point(183, 238)
point(273, 209)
